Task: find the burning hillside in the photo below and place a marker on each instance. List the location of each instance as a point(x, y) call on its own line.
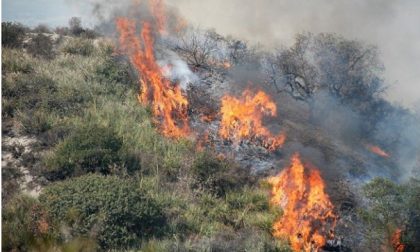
point(202, 141)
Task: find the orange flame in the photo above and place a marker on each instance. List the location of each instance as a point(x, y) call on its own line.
point(396, 241)
point(307, 210)
point(169, 105)
point(242, 119)
point(158, 11)
point(377, 150)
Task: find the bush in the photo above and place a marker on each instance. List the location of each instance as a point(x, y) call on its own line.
point(41, 28)
point(41, 46)
point(12, 34)
point(79, 46)
point(113, 210)
point(28, 92)
point(25, 224)
point(91, 148)
point(113, 71)
point(217, 175)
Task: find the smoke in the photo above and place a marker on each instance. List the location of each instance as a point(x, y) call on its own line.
point(392, 25)
point(273, 23)
point(175, 69)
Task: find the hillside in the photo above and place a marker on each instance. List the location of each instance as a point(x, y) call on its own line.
point(185, 140)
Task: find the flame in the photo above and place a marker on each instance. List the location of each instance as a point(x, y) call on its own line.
point(396, 241)
point(377, 150)
point(169, 105)
point(158, 11)
point(242, 119)
point(308, 214)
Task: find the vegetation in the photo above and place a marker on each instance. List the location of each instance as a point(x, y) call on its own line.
point(12, 34)
point(113, 211)
point(392, 206)
point(111, 181)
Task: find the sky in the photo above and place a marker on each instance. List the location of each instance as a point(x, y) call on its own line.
point(394, 26)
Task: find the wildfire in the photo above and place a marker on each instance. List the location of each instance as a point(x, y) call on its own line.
point(396, 241)
point(242, 119)
point(308, 214)
point(158, 11)
point(169, 105)
point(377, 150)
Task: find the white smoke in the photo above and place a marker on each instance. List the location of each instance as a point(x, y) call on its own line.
point(177, 70)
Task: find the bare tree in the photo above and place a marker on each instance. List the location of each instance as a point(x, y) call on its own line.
point(199, 48)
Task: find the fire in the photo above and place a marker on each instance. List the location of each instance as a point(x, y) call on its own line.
point(377, 150)
point(242, 119)
point(169, 105)
point(308, 214)
point(396, 241)
point(158, 11)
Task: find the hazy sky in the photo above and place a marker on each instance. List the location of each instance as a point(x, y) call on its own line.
point(394, 26)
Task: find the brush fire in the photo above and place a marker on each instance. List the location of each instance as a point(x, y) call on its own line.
point(308, 215)
point(242, 119)
point(168, 103)
point(245, 118)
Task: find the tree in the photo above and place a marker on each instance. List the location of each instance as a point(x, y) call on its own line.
point(198, 48)
point(75, 24)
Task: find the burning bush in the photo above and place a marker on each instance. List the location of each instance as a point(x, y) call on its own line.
point(308, 211)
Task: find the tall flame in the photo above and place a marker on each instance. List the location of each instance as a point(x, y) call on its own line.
point(242, 119)
point(169, 105)
point(396, 241)
point(308, 214)
point(158, 11)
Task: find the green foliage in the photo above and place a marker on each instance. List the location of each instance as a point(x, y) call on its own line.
point(12, 34)
point(25, 224)
point(392, 206)
point(112, 210)
point(216, 174)
point(91, 148)
point(41, 46)
point(79, 46)
point(113, 71)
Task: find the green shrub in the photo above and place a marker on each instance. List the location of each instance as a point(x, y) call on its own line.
point(29, 92)
point(91, 148)
point(218, 175)
point(114, 211)
point(114, 71)
point(25, 224)
point(12, 34)
point(41, 46)
point(79, 46)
